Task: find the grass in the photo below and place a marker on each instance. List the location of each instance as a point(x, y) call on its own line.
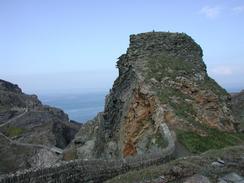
point(165, 65)
point(14, 131)
point(215, 139)
point(181, 108)
point(211, 84)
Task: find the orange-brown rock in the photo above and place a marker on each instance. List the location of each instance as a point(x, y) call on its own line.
point(136, 122)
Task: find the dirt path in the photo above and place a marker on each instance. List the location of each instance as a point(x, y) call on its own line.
point(53, 149)
point(15, 118)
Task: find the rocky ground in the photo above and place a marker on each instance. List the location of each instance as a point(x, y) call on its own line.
point(31, 134)
point(222, 166)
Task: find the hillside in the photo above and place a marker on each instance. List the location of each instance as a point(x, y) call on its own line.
point(31, 134)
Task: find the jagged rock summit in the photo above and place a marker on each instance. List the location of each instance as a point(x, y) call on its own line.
point(162, 81)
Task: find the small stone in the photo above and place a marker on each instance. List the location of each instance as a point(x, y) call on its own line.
point(153, 80)
point(216, 163)
point(220, 161)
point(162, 177)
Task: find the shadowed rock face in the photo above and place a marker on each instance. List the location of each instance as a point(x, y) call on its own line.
point(162, 79)
point(29, 130)
point(238, 107)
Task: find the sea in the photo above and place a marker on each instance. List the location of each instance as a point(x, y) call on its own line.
point(79, 107)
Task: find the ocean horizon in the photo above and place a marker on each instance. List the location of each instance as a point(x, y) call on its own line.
point(79, 107)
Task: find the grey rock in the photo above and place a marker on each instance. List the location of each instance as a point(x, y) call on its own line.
point(232, 178)
point(220, 161)
point(197, 179)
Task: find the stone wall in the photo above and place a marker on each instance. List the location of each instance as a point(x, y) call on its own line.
point(82, 171)
point(91, 170)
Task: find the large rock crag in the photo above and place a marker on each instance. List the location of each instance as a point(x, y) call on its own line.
point(31, 134)
point(162, 80)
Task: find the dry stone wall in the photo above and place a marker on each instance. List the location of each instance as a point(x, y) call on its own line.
point(91, 170)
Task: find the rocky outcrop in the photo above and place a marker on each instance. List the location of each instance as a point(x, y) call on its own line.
point(238, 108)
point(162, 80)
point(31, 134)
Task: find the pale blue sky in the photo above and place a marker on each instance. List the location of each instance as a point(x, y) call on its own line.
point(62, 46)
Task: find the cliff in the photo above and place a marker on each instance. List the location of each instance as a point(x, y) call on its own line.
point(31, 134)
point(238, 108)
point(162, 81)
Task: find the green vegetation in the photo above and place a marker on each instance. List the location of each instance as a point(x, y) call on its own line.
point(215, 139)
point(182, 108)
point(166, 94)
point(165, 65)
point(14, 131)
point(211, 84)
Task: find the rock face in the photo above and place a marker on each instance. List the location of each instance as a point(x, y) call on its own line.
point(31, 135)
point(162, 80)
point(238, 107)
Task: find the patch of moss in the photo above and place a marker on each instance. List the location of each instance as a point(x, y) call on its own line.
point(215, 139)
point(167, 93)
point(14, 131)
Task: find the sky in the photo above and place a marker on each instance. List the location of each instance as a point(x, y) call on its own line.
point(71, 46)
